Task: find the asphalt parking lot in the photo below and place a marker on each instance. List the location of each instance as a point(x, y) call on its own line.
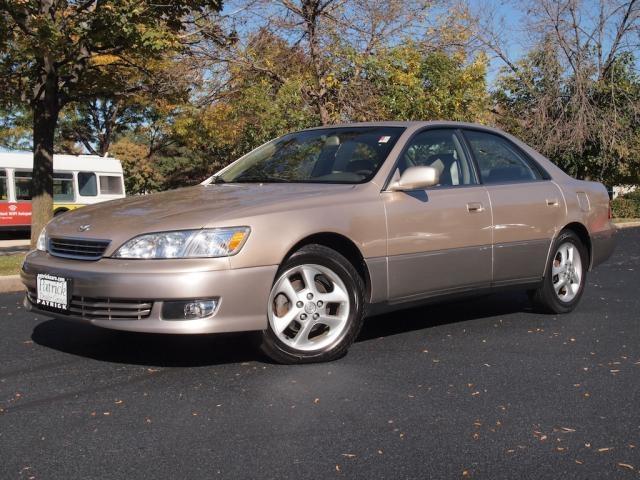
point(477, 389)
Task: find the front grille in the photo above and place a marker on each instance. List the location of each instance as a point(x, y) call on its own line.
point(101, 308)
point(81, 249)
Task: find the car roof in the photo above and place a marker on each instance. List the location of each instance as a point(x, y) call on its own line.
point(405, 124)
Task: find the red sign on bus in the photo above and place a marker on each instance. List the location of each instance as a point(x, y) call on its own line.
point(15, 214)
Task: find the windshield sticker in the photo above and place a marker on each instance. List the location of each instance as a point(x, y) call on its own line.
point(384, 139)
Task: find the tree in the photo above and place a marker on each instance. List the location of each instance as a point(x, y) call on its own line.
point(413, 85)
point(258, 87)
point(55, 52)
point(333, 38)
point(575, 95)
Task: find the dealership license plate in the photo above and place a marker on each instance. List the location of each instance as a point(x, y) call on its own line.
point(53, 292)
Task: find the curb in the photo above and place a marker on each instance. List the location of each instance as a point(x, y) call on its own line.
point(627, 224)
point(11, 283)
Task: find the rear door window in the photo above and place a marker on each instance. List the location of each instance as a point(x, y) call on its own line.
point(87, 184)
point(3, 185)
point(23, 184)
point(63, 187)
point(499, 160)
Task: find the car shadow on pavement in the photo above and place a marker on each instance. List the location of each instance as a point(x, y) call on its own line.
point(154, 350)
point(442, 313)
point(205, 350)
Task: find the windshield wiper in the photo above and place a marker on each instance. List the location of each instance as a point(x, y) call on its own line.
point(260, 180)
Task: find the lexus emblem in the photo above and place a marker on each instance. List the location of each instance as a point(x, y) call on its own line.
point(84, 228)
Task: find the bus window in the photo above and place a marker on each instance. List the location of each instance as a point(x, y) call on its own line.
point(3, 184)
point(87, 184)
point(63, 187)
point(23, 185)
point(110, 185)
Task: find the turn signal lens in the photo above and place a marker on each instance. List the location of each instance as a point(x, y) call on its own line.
point(236, 240)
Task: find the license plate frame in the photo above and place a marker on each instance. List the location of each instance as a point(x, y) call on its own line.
point(53, 292)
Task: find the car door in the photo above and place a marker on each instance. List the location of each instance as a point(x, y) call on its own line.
point(439, 239)
point(527, 207)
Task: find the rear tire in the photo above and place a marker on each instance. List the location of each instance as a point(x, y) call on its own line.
point(563, 284)
point(315, 309)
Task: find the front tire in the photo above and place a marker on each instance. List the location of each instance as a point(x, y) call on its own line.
point(315, 308)
point(566, 276)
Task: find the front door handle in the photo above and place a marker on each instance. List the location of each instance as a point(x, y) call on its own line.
point(552, 202)
point(474, 207)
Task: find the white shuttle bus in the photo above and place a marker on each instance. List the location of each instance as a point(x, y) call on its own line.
point(77, 180)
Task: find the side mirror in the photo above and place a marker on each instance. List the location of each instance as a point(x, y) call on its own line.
point(416, 178)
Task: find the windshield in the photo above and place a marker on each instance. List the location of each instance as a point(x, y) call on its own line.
point(331, 155)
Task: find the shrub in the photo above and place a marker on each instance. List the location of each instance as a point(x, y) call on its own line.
point(635, 195)
point(626, 207)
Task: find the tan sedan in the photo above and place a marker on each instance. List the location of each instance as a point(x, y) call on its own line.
point(302, 236)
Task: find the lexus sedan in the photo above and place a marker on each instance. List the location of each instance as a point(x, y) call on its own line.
point(302, 237)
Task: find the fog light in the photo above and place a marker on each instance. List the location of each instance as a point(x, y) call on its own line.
point(199, 309)
point(189, 309)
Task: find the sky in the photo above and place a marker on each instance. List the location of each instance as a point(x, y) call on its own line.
point(511, 19)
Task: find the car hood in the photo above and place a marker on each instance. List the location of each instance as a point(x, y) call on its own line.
point(185, 208)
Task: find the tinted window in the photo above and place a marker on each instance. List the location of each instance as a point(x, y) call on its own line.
point(328, 155)
point(23, 185)
point(110, 185)
point(63, 187)
point(441, 150)
point(499, 160)
point(3, 185)
point(87, 184)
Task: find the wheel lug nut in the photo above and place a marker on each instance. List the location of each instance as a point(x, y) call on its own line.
point(315, 316)
point(309, 296)
point(299, 304)
point(320, 303)
point(303, 316)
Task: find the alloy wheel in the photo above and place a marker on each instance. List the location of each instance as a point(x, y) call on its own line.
point(309, 307)
point(566, 272)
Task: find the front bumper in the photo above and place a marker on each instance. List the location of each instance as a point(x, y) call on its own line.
point(243, 293)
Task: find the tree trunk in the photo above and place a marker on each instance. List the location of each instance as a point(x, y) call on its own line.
point(45, 118)
point(324, 113)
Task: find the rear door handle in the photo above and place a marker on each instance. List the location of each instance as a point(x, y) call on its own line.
point(474, 207)
point(552, 202)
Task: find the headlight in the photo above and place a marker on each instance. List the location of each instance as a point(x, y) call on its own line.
point(214, 242)
point(41, 244)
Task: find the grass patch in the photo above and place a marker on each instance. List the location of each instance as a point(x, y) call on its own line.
point(10, 264)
